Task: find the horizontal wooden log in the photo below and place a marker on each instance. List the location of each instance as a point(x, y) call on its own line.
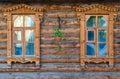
point(3, 31)
point(116, 35)
point(89, 69)
point(3, 61)
point(117, 38)
point(116, 41)
point(117, 52)
point(3, 27)
point(117, 60)
point(116, 45)
point(54, 10)
point(54, 42)
point(60, 65)
point(116, 31)
point(54, 49)
point(116, 49)
point(60, 52)
point(64, 24)
point(3, 53)
point(3, 23)
point(2, 16)
point(3, 35)
point(62, 16)
point(117, 23)
point(53, 38)
point(3, 47)
point(64, 35)
point(60, 61)
point(3, 40)
point(54, 46)
point(68, 30)
point(66, 14)
point(63, 56)
point(66, 19)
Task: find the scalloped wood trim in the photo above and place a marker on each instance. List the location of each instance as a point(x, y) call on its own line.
point(23, 60)
point(16, 7)
point(106, 8)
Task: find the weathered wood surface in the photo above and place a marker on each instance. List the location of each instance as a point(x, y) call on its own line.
point(70, 27)
point(117, 40)
point(89, 69)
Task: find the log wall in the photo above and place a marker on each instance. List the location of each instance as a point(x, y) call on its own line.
point(58, 64)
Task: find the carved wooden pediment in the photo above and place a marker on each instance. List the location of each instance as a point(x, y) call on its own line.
point(22, 8)
point(97, 8)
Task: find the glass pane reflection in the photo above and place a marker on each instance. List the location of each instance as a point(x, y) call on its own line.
point(102, 21)
point(29, 22)
point(29, 49)
point(90, 49)
point(90, 35)
point(17, 35)
point(102, 35)
point(18, 49)
point(18, 21)
point(91, 21)
point(29, 35)
point(102, 49)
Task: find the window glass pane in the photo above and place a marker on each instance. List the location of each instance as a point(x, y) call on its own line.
point(29, 35)
point(18, 49)
point(102, 49)
point(91, 21)
point(18, 22)
point(29, 49)
point(102, 21)
point(90, 35)
point(90, 49)
point(17, 35)
point(29, 22)
point(102, 35)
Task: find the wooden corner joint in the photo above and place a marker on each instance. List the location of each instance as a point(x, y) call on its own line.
point(23, 60)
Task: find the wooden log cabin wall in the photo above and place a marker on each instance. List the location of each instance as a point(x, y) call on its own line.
point(51, 63)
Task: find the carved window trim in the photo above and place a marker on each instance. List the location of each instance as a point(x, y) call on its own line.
point(27, 10)
point(97, 9)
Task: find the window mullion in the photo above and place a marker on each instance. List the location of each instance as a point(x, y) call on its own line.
point(24, 48)
point(96, 37)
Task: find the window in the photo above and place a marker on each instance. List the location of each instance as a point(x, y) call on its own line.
point(96, 35)
point(23, 35)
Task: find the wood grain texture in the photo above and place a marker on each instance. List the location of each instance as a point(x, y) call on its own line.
point(93, 69)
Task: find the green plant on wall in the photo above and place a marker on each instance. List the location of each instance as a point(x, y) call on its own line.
point(58, 37)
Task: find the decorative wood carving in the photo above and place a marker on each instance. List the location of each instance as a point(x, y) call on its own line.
point(97, 9)
point(23, 9)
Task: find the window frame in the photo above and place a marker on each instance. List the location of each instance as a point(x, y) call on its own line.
point(96, 29)
point(23, 9)
point(23, 41)
point(97, 9)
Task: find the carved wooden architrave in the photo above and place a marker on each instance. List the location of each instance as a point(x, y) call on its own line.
point(97, 9)
point(23, 9)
